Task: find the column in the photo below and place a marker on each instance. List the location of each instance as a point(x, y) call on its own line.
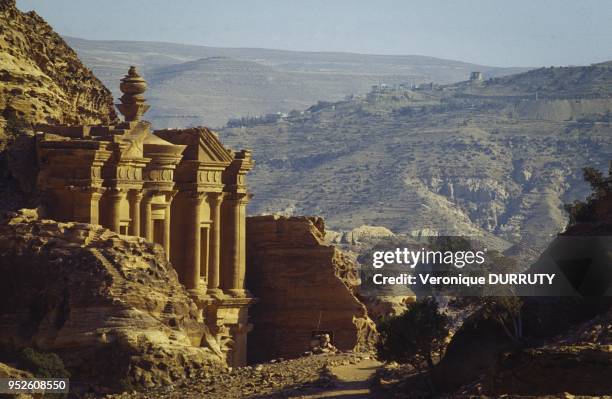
point(167, 229)
point(244, 200)
point(86, 206)
point(237, 245)
point(146, 221)
point(191, 270)
point(134, 197)
point(215, 245)
point(115, 196)
point(204, 253)
point(240, 331)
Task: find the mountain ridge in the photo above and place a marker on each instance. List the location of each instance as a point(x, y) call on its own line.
point(302, 77)
point(138, 44)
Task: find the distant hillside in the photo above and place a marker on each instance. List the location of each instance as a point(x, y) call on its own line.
point(554, 82)
point(489, 158)
point(198, 85)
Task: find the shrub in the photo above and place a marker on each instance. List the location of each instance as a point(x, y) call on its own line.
point(44, 365)
point(506, 312)
point(415, 336)
point(601, 186)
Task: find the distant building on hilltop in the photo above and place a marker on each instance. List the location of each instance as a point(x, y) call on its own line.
point(476, 76)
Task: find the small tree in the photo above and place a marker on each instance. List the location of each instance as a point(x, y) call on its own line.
point(415, 336)
point(501, 303)
point(506, 311)
point(584, 211)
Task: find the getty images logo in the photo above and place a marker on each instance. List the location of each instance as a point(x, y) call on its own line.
point(410, 258)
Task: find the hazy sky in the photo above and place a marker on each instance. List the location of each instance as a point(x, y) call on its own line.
point(492, 32)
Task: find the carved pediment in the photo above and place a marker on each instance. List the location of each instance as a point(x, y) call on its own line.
point(202, 145)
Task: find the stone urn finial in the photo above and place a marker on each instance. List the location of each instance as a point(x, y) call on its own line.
point(133, 104)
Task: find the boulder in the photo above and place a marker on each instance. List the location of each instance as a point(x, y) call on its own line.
point(370, 234)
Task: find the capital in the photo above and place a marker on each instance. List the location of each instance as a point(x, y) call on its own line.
point(170, 195)
point(196, 196)
point(115, 192)
point(215, 198)
point(135, 195)
point(237, 197)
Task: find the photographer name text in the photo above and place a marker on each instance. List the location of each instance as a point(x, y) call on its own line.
point(467, 281)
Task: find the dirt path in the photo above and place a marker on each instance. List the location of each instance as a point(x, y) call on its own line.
point(352, 381)
point(339, 376)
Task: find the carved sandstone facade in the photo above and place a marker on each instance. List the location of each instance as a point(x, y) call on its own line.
point(305, 287)
point(179, 188)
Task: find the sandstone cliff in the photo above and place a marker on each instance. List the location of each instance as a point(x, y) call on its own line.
point(303, 286)
point(41, 77)
point(109, 305)
point(41, 81)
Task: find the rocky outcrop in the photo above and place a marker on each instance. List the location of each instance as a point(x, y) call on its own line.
point(551, 359)
point(380, 306)
point(567, 335)
point(7, 371)
point(41, 78)
point(579, 362)
point(303, 286)
point(369, 234)
point(110, 306)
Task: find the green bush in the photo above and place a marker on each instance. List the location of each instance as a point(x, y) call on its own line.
point(415, 336)
point(44, 365)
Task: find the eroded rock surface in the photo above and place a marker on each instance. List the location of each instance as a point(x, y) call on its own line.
point(359, 234)
point(303, 286)
point(111, 306)
point(8, 371)
point(41, 77)
point(41, 81)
